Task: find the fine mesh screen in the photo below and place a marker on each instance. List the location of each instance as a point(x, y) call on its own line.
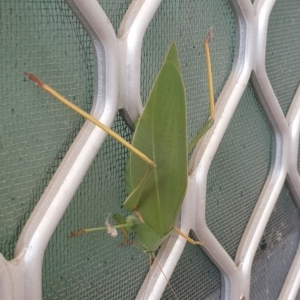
point(204, 277)
point(44, 37)
point(93, 266)
point(188, 29)
point(186, 23)
point(282, 48)
point(281, 237)
point(277, 249)
point(244, 153)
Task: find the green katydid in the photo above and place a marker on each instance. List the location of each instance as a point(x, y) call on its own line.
point(157, 166)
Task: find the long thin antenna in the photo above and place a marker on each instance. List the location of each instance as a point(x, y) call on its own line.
point(87, 116)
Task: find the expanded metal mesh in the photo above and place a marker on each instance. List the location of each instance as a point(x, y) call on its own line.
point(44, 37)
point(203, 277)
point(244, 153)
point(93, 266)
point(281, 237)
point(282, 51)
point(185, 23)
point(276, 250)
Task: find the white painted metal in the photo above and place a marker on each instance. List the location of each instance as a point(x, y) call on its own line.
point(117, 75)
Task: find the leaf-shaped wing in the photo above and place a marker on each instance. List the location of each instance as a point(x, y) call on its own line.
point(161, 135)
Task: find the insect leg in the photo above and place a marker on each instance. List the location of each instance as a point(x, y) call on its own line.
point(169, 284)
point(209, 76)
point(191, 241)
point(211, 118)
point(120, 220)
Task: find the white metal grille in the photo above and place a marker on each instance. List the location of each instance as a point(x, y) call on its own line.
point(243, 194)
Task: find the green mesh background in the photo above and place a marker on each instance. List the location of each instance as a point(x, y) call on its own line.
point(43, 37)
point(245, 154)
point(93, 266)
point(188, 22)
point(277, 249)
point(282, 48)
point(203, 277)
point(281, 237)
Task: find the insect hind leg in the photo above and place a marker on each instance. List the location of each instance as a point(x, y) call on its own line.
point(190, 240)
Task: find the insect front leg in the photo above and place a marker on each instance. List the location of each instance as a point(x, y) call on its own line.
point(209, 123)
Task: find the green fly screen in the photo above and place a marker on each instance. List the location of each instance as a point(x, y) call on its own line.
point(36, 131)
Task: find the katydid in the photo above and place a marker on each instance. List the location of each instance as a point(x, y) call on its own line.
point(156, 171)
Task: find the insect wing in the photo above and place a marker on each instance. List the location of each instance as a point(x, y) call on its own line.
point(161, 135)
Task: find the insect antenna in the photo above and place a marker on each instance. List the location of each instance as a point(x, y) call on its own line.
point(152, 258)
point(169, 284)
point(148, 275)
point(87, 116)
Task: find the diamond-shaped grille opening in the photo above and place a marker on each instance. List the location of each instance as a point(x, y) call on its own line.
point(44, 37)
point(276, 250)
point(244, 153)
point(204, 277)
point(102, 192)
point(283, 43)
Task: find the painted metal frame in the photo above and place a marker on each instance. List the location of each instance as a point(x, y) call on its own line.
point(117, 86)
